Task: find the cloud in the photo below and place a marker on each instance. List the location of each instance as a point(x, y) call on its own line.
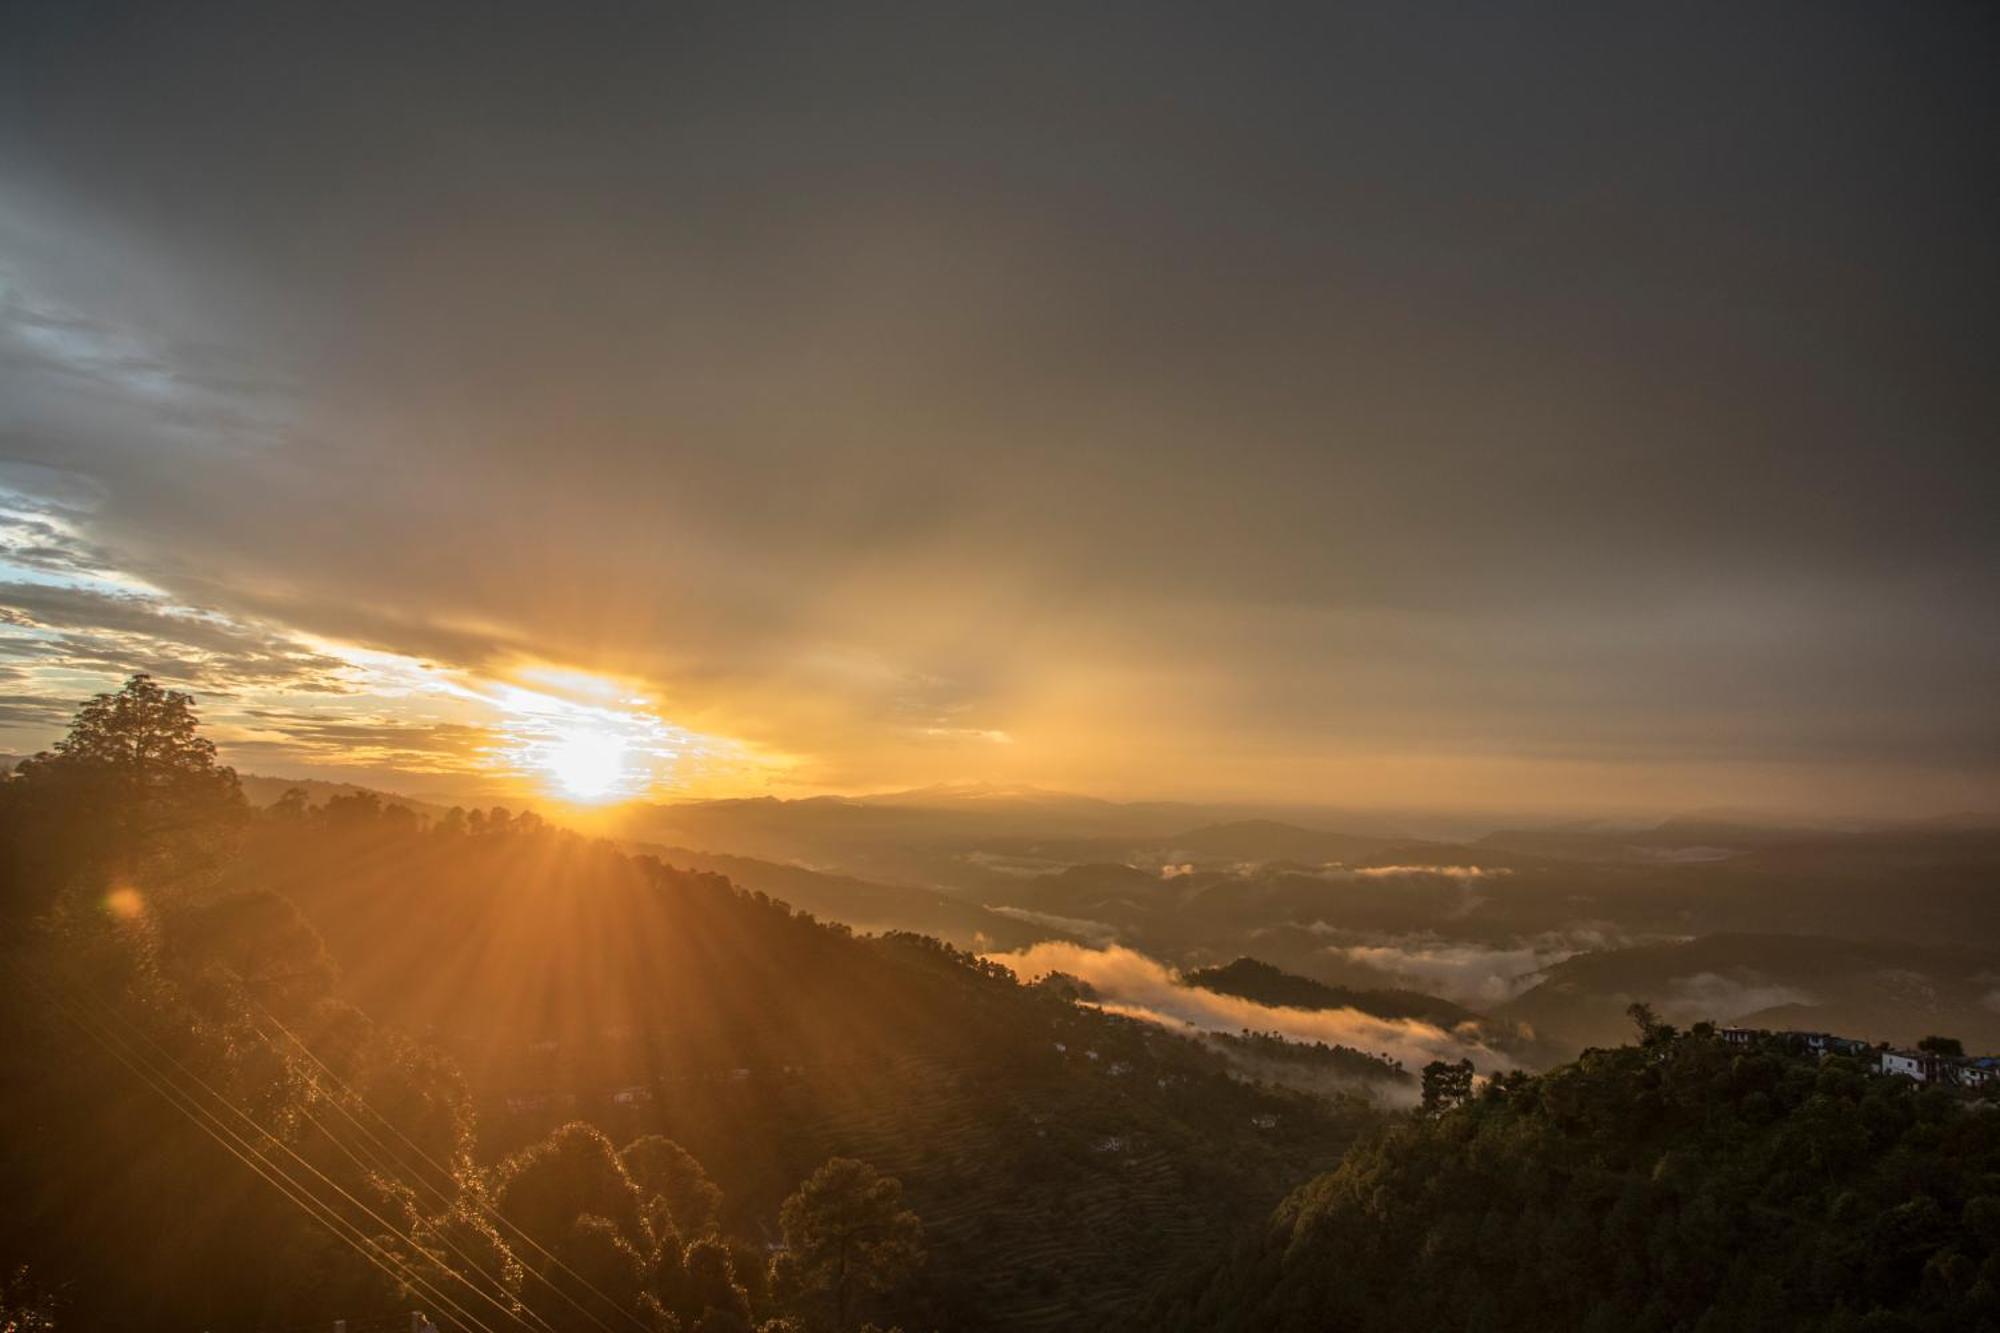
point(1712, 995)
point(73, 623)
point(1470, 973)
point(875, 427)
point(32, 711)
point(1097, 932)
point(59, 622)
point(363, 740)
point(1131, 983)
point(1014, 867)
point(1446, 872)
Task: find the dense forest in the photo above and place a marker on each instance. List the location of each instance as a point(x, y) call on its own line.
point(1677, 1184)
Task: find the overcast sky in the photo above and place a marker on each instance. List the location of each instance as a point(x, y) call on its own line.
point(1571, 407)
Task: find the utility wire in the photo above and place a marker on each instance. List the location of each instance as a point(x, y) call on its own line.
point(375, 1167)
point(245, 1149)
point(514, 1231)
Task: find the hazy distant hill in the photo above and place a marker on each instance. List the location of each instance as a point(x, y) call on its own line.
point(970, 838)
point(1051, 809)
point(1875, 990)
point(261, 790)
point(931, 815)
point(868, 906)
point(1259, 981)
point(1716, 835)
point(1256, 840)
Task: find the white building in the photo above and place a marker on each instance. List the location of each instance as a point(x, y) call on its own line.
point(1910, 1064)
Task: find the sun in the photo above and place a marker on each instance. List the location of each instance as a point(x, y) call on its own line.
point(587, 764)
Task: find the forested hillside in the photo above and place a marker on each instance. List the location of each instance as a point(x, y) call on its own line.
point(1067, 1159)
point(1674, 1185)
point(263, 1069)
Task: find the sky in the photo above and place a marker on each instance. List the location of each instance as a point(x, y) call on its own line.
point(1568, 408)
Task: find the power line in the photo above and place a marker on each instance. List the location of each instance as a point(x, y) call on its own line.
point(493, 1214)
point(244, 1149)
point(376, 1168)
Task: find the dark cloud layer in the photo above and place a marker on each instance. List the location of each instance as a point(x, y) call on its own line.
point(1295, 400)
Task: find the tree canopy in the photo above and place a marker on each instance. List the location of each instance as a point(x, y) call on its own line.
point(131, 795)
point(847, 1236)
point(1681, 1184)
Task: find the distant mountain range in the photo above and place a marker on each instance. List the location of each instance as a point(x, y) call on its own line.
point(1065, 828)
point(261, 790)
point(1715, 913)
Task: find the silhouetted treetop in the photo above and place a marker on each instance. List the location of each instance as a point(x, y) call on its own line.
point(132, 792)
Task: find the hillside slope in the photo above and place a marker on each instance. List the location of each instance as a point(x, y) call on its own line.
point(1066, 1160)
point(867, 905)
point(1680, 1185)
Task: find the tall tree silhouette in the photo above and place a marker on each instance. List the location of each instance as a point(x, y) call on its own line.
point(847, 1235)
point(133, 794)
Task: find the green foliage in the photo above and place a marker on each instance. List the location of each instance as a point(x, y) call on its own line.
point(847, 1237)
point(1446, 1084)
point(677, 1191)
point(144, 1078)
point(1677, 1185)
point(710, 1296)
point(166, 1047)
point(131, 796)
point(574, 1172)
point(600, 1270)
point(1253, 1049)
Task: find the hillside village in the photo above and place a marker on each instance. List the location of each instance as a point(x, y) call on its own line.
point(1936, 1060)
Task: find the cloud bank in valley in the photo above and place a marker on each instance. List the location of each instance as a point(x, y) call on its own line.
point(1712, 995)
point(1462, 970)
point(1097, 932)
point(1134, 984)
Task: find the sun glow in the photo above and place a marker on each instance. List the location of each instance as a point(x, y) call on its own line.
point(588, 764)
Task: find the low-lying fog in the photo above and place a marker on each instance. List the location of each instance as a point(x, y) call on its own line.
point(1129, 982)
